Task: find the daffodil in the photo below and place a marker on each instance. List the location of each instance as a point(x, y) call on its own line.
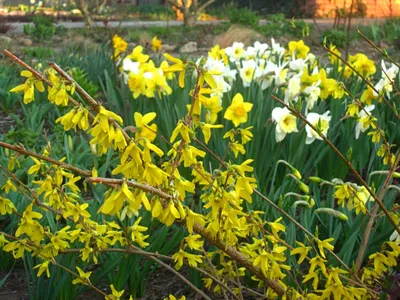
point(137, 55)
point(365, 120)
point(285, 122)
point(320, 122)
point(235, 52)
point(237, 111)
point(156, 44)
point(299, 49)
point(119, 45)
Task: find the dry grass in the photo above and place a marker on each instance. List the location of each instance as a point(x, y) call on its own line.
point(238, 33)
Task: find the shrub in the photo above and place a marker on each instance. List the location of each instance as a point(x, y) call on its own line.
point(243, 16)
point(335, 37)
point(43, 28)
point(239, 163)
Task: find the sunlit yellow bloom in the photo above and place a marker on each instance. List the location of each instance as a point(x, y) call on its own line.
point(206, 129)
point(119, 45)
point(115, 294)
point(156, 44)
point(43, 267)
point(6, 206)
point(299, 49)
point(142, 128)
point(178, 66)
point(332, 57)
point(302, 250)
point(237, 111)
point(324, 244)
point(28, 87)
point(193, 241)
point(83, 277)
point(137, 55)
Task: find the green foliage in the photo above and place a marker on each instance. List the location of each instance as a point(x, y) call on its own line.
point(43, 28)
point(7, 81)
point(388, 30)
point(39, 52)
point(155, 11)
point(81, 77)
point(277, 25)
point(243, 16)
point(335, 37)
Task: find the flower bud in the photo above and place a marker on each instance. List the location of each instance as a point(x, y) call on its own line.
point(315, 179)
point(296, 173)
point(303, 187)
point(332, 212)
point(93, 149)
point(70, 144)
point(396, 175)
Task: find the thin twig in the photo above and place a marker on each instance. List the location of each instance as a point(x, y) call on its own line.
point(53, 161)
point(172, 270)
point(93, 103)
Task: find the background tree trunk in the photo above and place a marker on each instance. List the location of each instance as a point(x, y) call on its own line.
point(84, 8)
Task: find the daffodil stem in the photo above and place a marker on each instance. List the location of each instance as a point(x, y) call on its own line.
point(346, 161)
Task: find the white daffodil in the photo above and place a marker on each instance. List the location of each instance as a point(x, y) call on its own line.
point(235, 52)
point(363, 120)
point(221, 87)
point(285, 123)
point(321, 122)
point(229, 75)
point(312, 93)
point(297, 65)
point(260, 48)
point(276, 48)
point(384, 85)
point(293, 89)
point(248, 71)
point(130, 66)
point(395, 237)
point(214, 66)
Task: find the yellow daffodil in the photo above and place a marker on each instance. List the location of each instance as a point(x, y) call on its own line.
point(156, 44)
point(237, 111)
point(299, 49)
